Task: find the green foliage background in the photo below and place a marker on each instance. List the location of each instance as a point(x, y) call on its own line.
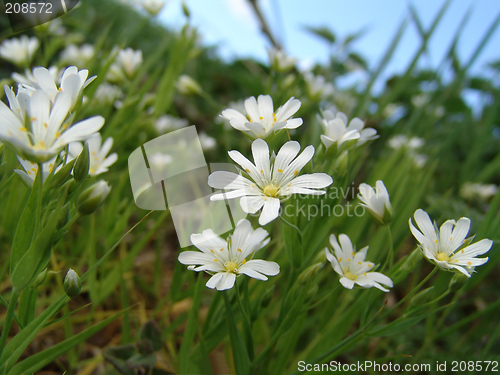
point(142, 276)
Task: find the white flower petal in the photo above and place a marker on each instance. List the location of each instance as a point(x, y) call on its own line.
point(270, 211)
point(251, 204)
point(347, 283)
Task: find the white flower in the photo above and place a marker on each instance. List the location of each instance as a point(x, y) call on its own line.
point(410, 145)
point(420, 100)
point(351, 265)
point(226, 260)
point(28, 78)
point(377, 202)
point(73, 82)
point(48, 132)
point(317, 85)
point(270, 182)
point(207, 142)
point(166, 123)
point(127, 62)
point(19, 51)
point(107, 93)
point(471, 190)
point(187, 85)
point(399, 141)
point(341, 135)
point(153, 7)
point(260, 120)
point(446, 247)
point(31, 170)
point(419, 160)
point(99, 159)
point(79, 56)
point(279, 61)
point(159, 159)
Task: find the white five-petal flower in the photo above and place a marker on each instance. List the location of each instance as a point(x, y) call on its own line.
point(28, 78)
point(99, 159)
point(280, 61)
point(352, 267)
point(317, 87)
point(338, 133)
point(78, 56)
point(31, 170)
point(73, 82)
point(226, 260)
point(445, 247)
point(127, 62)
point(377, 202)
point(19, 51)
point(153, 7)
point(167, 123)
point(260, 119)
point(270, 182)
point(48, 132)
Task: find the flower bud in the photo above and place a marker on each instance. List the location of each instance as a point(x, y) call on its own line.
point(153, 7)
point(188, 86)
point(377, 201)
point(422, 297)
point(82, 165)
point(309, 272)
point(92, 197)
point(185, 10)
point(72, 284)
point(39, 279)
point(457, 281)
point(411, 260)
point(62, 174)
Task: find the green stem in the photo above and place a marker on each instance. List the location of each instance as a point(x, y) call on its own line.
point(39, 186)
point(8, 319)
point(390, 255)
point(4, 302)
point(412, 292)
point(247, 327)
point(292, 226)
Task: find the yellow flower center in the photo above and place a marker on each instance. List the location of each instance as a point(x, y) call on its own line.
point(231, 267)
point(270, 190)
point(350, 276)
point(443, 257)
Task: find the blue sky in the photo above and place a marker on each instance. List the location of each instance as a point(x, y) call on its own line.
point(232, 26)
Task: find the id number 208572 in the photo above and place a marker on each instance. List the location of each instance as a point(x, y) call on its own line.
point(28, 8)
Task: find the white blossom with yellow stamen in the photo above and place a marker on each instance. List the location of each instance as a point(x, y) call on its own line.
point(270, 181)
point(446, 247)
point(99, 159)
point(126, 64)
point(73, 81)
point(79, 56)
point(19, 51)
point(352, 267)
point(226, 260)
point(37, 129)
point(260, 119)
point(31, 170)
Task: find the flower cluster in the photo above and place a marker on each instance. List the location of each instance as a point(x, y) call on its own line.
point(38, 123)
